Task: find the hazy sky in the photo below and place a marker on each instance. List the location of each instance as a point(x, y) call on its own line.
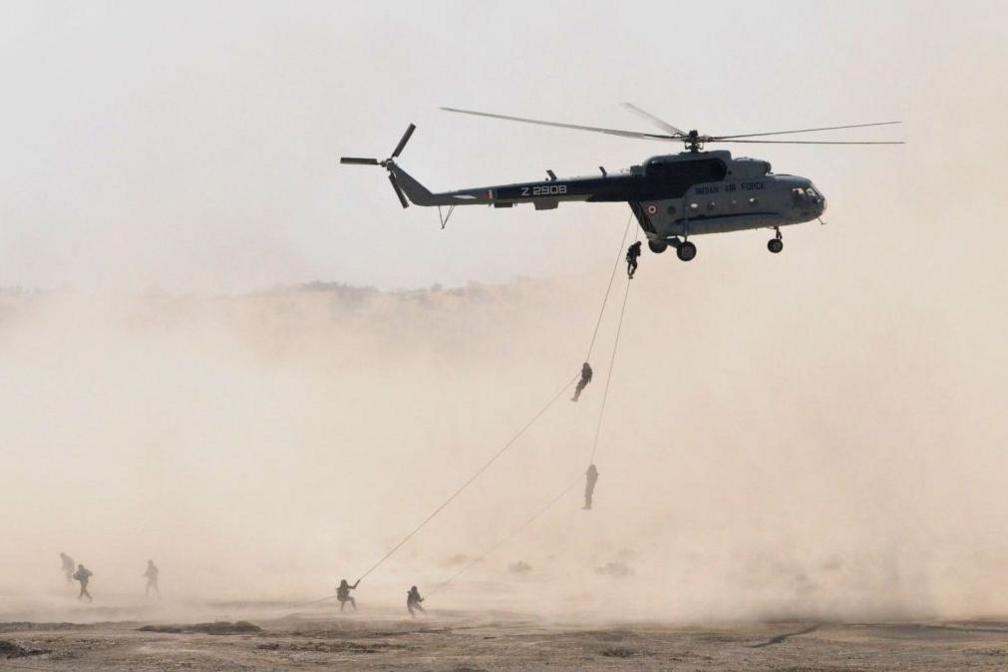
point(857, 379)
point(195, 145)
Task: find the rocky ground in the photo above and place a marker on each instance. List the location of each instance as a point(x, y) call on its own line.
point(461, 642)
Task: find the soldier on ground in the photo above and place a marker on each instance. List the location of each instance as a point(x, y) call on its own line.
point(68, 566)
point(413, 601)
point(83, 574)
point(151, 574)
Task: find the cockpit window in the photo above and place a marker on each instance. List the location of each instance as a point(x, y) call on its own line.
point(803, 197)
point(766, 168)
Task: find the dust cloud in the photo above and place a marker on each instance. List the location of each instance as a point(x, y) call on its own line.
point(834, 454)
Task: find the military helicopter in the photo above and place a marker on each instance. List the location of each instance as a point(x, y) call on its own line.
point(672, 196)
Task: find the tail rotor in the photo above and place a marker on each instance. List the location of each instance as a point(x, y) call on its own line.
point(398, 191)
point(402, 142)
point(359, 161)
point(387, 163)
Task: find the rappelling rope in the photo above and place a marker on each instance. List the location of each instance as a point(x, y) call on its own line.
point(501, 542)
point(612, 363)
point(472, 478)
point(321, 599)
point(512, 441)
point(605, 298)
point(605, 395)
point(457, 492)
point(529, 424)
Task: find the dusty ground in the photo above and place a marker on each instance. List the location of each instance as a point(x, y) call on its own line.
point(460, 642)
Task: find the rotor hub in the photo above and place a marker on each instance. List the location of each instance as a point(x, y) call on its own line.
point(694, 141)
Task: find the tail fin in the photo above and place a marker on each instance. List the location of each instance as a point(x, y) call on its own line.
point(416, 192)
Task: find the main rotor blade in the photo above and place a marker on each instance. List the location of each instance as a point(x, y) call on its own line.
point(660, 123)
point(805, 130)
point(363, 162)
point(596, 129)
point(398, 191)
point(405, 139)
point(813, 142)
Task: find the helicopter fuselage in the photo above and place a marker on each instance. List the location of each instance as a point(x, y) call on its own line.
point(671, 196)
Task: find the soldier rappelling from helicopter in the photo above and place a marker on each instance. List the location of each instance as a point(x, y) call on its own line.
point(632, 253)
point(586, 376)
point(591, 476)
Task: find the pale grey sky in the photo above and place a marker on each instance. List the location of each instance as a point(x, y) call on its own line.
point(854, 383)
point(193, 145)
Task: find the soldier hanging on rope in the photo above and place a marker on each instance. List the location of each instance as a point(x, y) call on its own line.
point(632, 253)
point(343, 594)
point(591, 476)
point(586, 376)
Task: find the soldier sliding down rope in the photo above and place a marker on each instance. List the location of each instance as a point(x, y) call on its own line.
point(586, 376)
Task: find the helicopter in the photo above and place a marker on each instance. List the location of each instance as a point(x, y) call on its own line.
point(672, 196)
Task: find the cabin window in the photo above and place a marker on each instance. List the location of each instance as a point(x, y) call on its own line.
point(694, 206)
point(753, 201)
point(711, 205)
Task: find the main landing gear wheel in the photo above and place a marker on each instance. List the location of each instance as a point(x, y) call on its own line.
point(775, 244)
point(686, 250)
point(657, 246)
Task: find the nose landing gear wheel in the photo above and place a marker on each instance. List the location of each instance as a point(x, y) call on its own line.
point(686, 250)
point(657, 246)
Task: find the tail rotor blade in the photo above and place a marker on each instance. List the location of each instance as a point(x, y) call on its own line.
point(405, 139)
point(359, 161)
point(398, 191)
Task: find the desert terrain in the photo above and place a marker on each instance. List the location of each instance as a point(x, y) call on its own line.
point(468, 642)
